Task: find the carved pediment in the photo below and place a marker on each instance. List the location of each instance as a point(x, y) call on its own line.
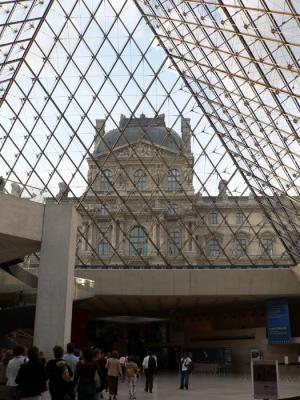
point(142, 148)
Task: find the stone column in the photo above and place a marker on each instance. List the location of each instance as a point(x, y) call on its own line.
point(55, 293)
point(90, 236)
point(184, 237)
point(121, 239)
point(162, 235)
point(191, 241)
point(113, 238)
point(154, 239)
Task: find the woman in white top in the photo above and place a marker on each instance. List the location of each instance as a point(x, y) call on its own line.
point(12, 370)
point(185, 368)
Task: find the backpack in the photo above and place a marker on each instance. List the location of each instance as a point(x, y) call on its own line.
point(151, 364)
point(97, 380)
point(190, 367)
point(131, 372)
point(65, 376)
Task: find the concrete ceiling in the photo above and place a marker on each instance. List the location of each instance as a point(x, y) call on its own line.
point(12, 247)
point(165, 306)
point(21, 226)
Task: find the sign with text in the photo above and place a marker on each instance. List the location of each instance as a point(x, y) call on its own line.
point(264, 379)
point(278, 321)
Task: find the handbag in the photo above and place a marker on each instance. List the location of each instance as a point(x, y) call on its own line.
point(97, 380)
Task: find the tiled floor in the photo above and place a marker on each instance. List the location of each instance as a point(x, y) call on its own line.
point(204, 387)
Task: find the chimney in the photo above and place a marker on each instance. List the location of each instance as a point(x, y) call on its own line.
point(186, 134)
point(100, 131)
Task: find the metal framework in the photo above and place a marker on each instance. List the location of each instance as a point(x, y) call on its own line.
point(231, 66)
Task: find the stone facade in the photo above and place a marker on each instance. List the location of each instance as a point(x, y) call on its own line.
point(146, 182)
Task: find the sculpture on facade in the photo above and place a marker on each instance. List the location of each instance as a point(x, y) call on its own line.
point(63, 191)
point(16, 189)
point(2, 184)
point(223, 188)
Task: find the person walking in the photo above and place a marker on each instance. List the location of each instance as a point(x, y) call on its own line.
point(114, 371)
point(101, 363)
point(131, 371)
point(87, 376)
point(59, 374)
point(5, 357)
point(185, 368)
point(32, 377)
point(123, 362)
point(149, 367)
point(72, 360)
point(12, 370)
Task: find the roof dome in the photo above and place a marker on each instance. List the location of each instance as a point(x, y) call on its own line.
point(131, 130)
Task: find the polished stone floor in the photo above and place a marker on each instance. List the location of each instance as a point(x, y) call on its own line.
point(203, 387)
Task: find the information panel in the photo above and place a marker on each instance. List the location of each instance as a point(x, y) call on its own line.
point(264, 379)
point(278, 321)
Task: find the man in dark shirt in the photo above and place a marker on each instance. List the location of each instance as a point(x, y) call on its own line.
point(59, 374)
point(32, 376)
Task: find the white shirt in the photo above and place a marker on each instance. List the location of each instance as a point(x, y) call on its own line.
point(12, 369)
point(146, 361)
point(185, 363)
point(123, 360)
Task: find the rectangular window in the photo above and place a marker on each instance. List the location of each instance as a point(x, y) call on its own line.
point(240, 247)
point(213, 248)
point(213, 218)
point(172, 209)
point(174, 243)
point(103, 210)
point(104, 247)
point(240, 218)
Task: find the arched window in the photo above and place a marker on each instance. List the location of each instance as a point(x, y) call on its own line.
point(138, 242)
point(174, 243)
point(106, 179)
point(267, 246)
point(103, 247)
point(140, 179)
point(173, 179)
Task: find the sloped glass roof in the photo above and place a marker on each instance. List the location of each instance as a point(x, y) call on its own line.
point(229, 67)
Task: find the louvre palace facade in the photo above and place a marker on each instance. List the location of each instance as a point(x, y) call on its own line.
point(144, 210)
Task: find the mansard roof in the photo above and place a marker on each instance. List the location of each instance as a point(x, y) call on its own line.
point(131, 130)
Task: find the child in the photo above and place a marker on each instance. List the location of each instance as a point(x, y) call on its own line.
point(131, 372)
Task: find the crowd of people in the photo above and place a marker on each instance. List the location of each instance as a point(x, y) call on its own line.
point(89, 375)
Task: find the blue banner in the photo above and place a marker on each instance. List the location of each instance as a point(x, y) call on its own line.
point(278, 321)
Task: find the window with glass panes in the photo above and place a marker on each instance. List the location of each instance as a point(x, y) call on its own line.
point(213, 248)
point(240, 247)
point(105, 181)
point(173, 179)
point(267, 246)
point(139, 179)
point(174, 243)
point(172, 208)
point(213, 218)
point(138, 242)
point(103, 247)
point(240, 218)
point(103, 210)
